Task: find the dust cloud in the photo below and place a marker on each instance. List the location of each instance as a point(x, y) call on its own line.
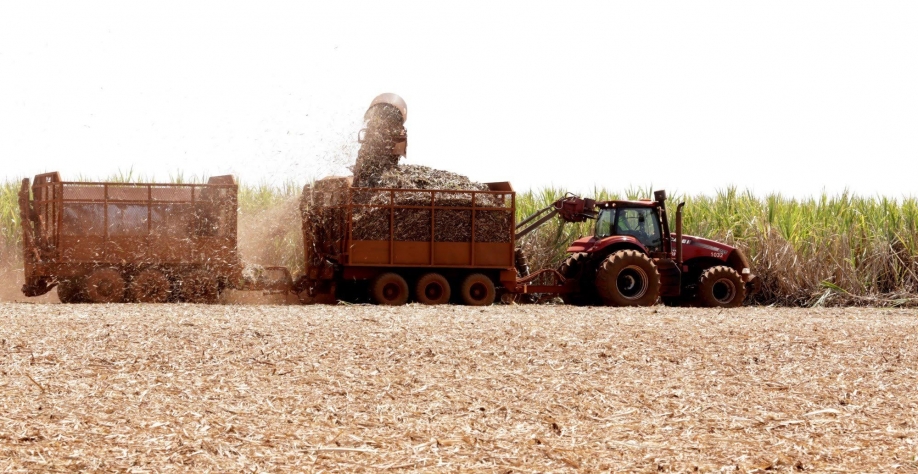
point(11, 281)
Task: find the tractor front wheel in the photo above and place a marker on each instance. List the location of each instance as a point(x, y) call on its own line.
point(628, 278)
point(721, 287)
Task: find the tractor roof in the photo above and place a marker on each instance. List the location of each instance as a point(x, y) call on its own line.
point(627, 204)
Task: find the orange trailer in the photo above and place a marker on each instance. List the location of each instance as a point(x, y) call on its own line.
point(114, 242)
point(391, 244)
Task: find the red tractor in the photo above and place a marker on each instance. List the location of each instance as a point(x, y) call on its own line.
point(632, 258)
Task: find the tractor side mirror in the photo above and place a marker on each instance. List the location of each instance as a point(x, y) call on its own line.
point(659, 196)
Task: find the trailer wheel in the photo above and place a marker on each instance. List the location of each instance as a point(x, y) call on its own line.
point(389, 289)
point(721, 287)
point(432, 288)
point(105, 285)
point(628, 278)
point(150, 286)
point(478, 290)
point(199, 286)
point(70, 292)
point(573, 268)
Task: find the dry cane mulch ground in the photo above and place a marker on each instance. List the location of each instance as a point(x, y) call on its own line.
point(501, 389)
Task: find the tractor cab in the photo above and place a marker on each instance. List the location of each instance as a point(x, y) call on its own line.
point(638, 219)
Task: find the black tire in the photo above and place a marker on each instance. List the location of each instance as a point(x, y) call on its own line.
point(573, 268)
point(389, 289)
point(721, 287)
point(150, 286)
point(199, 286)
point(104, 285)
point(628, 278)
point(478, 290)
point(432, 288)
point(70, 292)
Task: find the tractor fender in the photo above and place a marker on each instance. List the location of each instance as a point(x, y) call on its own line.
point(736, 260)
point(705, 253)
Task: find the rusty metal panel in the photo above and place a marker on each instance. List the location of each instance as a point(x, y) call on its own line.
point(127, 220)
point(83, 192)
point(171, 249)
point(493, 254)
point(364, 252)
point(127, 193)
point(411, 253)
point(128, 249)
point(84, 248)
point(452, 253)
point(215, 250)
point(82, 219)
point(171, 193)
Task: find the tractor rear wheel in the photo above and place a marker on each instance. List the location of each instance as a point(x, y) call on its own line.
point(150, 286)
point(105, 285)
point(573, 268)
point(199, 286)
point(432, 288)
point(628, 278)
point(70, 291)
point(478, 290)
point(389, 289)
point(721, 287)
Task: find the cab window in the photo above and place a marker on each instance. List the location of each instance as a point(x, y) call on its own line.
point(604, 223)
point(641, 224)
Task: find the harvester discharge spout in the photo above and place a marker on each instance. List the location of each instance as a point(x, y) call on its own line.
point(383, 141)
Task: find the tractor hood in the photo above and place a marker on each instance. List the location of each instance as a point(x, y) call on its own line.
point(694, 247)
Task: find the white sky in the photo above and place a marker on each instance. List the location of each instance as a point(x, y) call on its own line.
point(793, 96)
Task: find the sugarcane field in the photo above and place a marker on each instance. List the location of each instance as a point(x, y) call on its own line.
point(624, 238)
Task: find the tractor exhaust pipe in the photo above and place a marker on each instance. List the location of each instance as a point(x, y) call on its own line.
point(660, 198)
point(679, 234)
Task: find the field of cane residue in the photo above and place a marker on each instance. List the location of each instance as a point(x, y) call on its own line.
point(503, 389)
